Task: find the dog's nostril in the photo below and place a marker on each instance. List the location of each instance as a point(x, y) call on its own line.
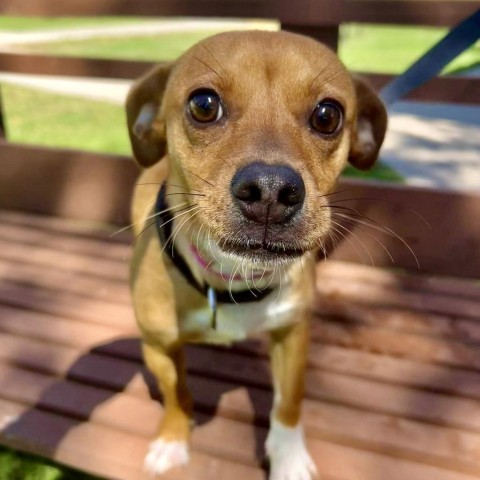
point(248, 192)
point(290, 196)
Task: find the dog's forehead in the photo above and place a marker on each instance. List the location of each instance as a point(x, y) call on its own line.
point(246, 60)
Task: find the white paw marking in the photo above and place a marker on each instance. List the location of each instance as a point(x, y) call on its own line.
point(163, 455)
point(289, 458)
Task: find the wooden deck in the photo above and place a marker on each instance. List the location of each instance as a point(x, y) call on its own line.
point(393, 385)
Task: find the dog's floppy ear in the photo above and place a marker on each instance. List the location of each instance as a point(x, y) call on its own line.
point(369, 131)
point(145, 128)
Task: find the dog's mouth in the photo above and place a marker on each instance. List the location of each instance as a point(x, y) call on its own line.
point(239, 259)
point(263, 252)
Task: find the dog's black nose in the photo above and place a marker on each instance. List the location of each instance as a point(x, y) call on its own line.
point(268, 193)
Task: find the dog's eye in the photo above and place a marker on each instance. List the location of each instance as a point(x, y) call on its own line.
point(327, 117)
point(205, 106)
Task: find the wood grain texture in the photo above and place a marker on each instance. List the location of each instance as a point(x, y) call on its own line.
point(394, 398)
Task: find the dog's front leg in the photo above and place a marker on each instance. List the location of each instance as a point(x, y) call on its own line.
point(285, 445)
point(170, 449)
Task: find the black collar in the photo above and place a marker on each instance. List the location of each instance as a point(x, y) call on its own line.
point(164, 221)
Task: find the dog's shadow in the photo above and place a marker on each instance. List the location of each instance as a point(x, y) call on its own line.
point(108, 369)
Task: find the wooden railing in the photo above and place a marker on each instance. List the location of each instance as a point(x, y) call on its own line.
point(302, 12)
point(97, 187)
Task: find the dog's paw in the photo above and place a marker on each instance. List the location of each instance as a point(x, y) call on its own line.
point(289, 458)
point(163, 455)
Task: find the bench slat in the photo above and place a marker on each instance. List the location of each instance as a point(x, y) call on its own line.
point(70, 362)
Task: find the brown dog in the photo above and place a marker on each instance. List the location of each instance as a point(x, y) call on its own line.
point(240, 139)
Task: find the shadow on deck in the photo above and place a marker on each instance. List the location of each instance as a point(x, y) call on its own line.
point(393, 384)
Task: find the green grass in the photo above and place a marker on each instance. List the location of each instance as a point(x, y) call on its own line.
point(166, 46)
point(24, 24)
point(368, 48)
point(20, 466)
point(380, 171)
point(42, 118)
point(392, 49)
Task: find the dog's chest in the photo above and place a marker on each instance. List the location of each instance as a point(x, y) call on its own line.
point(236, 322)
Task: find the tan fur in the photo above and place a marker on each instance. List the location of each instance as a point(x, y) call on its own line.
point(270, 83)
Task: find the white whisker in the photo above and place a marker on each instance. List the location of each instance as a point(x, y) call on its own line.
point(384, 229)
point(168, 240)
point(230, 284)
point(360, 256)
point(147, 218)
point(375, 239)
point(174, 234)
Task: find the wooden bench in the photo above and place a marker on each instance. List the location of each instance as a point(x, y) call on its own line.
point(393, 384)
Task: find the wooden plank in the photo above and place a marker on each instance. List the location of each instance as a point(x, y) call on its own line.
point(400, 371)
point(64, 281)
point(427, 12)
point(421, 348)
point(104, 312)
point(94, 369)
point(322, 12)
point(332, 290)
point(443, 89)
point(351, 464)
point(397, 320)
point(68, 305)
point(100, 267)
point(37, 64)
point(100, 460)
point(67, 183)
point(58, 330)
point(399, 279)
point(335, 279)
point(87, 229)
point(328, 35)
point(63, 242)
point(400, 11)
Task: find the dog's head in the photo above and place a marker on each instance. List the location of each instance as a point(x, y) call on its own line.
point(256, 127)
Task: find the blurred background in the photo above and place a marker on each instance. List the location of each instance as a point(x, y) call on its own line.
point(434, 144)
